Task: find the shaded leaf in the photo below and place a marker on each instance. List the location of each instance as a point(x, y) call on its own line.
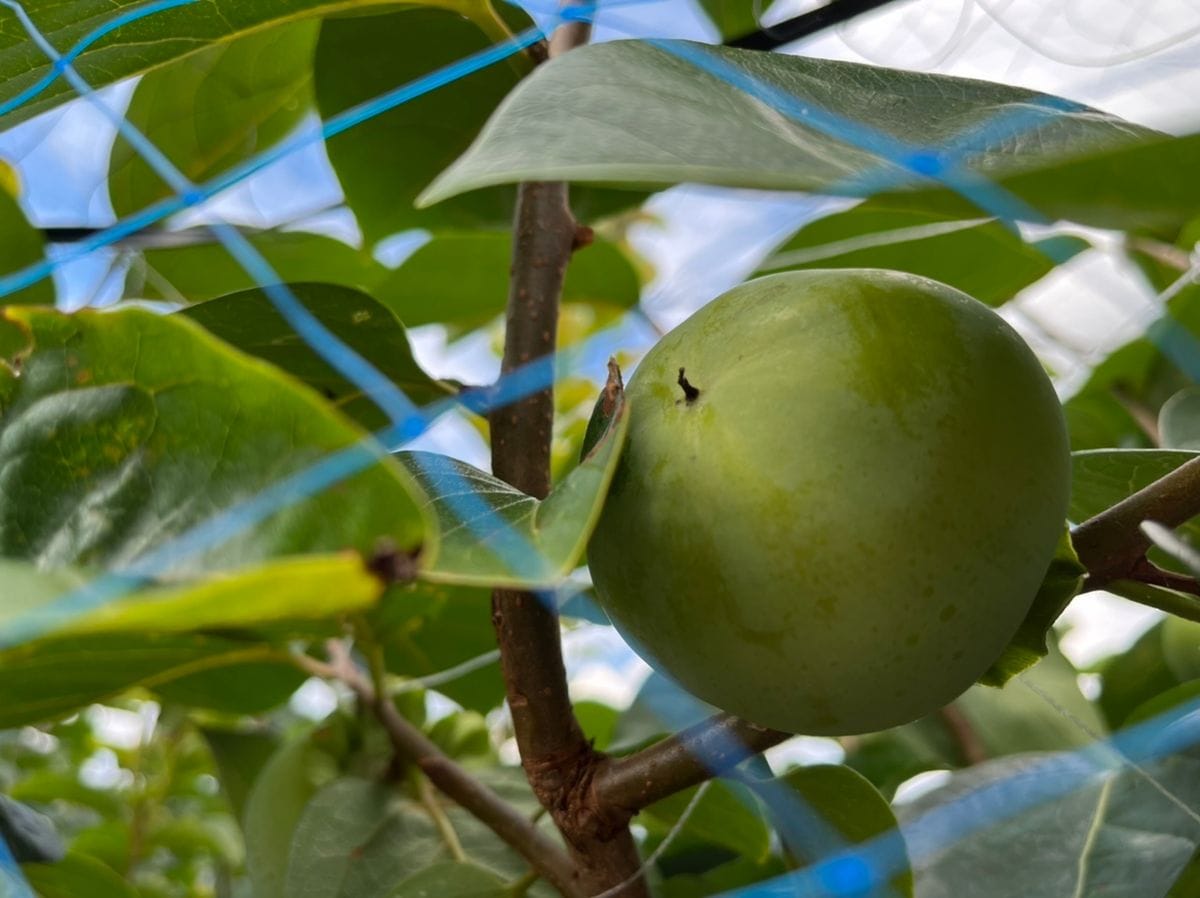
point(162, 426)
point(461, 279)
point(22, 246)
point(826, 808)
point(427, 628)
point(491, 534)
point(165, 36)
point(212, 109)
point(204, 270)
point(735, 18)
point(248, 320)
point(727, 815)
point(358, 839)
point(1135, 676)
point(75, 875)
point(1113, 832)
point(452, 880)
point(979, 256)
point(274, 807)
point(241, 757)
point(665, 112)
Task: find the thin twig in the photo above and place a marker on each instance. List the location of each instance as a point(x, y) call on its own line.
point(440, 820)
point(970, 746)
point(408, 741)
point(689, 757)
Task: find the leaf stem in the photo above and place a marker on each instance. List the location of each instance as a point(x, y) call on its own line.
point(440, 819)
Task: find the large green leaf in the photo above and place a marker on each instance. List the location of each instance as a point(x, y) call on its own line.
point(727, 815)
point(205, 270)
point(491, 534)
point(1129, 832)
point(274, 807)
point(634, 113)
point(1134, 676)
point(127, 429)
point(139, 46)
point(845, 802)
point(979, 256)
point(212, 109)
point(382, 164)
point(22, 245)
point(358, 839)
point(306, 587)
point(75, 875)
point(51, 677)
point(1121, 187)
point(249, 321)
point(452, 880)
point(461, 279)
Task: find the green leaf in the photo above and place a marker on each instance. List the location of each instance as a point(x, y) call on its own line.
point(275, 806)
point(1181, 647)
point(241, 757)
point(979, 256)
point(249, 322)
point(452, 880)
point(384, 162)
point(735, 18)
point(161, 425)
point(30, 836)
point(461, 279)
point(727, 815)
point(212, 109)
point(1188, 883)
point(1042, 710)
point(491, 534)
point(22, 246)
point(1063, 581)
point(309, 587)
point(1179, 420)
point(844, 801)
point(636, 113)
point(1116, 834)
point(720, 879)
point(1124, 187)
point(1135, 676)
point(204, 269)
point(165, 37)
point(427, 628)
point(252, 687)
point(358, 839)
point(1102, 478)
point(75, 875)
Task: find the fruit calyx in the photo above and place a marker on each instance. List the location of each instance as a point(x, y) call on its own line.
point(690, 393)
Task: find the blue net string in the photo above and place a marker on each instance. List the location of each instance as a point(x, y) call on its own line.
point(842, 874)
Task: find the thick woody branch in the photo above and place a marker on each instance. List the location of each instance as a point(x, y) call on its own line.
point(1112, 545)
point(699, 753)
point(409, 742)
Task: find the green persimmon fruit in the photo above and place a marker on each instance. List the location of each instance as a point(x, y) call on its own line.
point(835, 519)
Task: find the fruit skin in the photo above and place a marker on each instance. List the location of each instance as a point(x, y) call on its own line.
point(846, 527)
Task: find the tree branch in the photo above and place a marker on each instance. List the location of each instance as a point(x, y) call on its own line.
point(558, 760)
point(692, 756)
point(833, 13)
point(409, 742)
point(1112, 545)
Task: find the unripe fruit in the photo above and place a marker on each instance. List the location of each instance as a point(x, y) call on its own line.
point(837, 519)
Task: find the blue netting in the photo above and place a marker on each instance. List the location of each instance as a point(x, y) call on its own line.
point(844, 870)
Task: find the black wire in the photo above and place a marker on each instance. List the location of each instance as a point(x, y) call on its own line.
point(833, 13)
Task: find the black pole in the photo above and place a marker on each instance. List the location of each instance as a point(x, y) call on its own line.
point(833, 13)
